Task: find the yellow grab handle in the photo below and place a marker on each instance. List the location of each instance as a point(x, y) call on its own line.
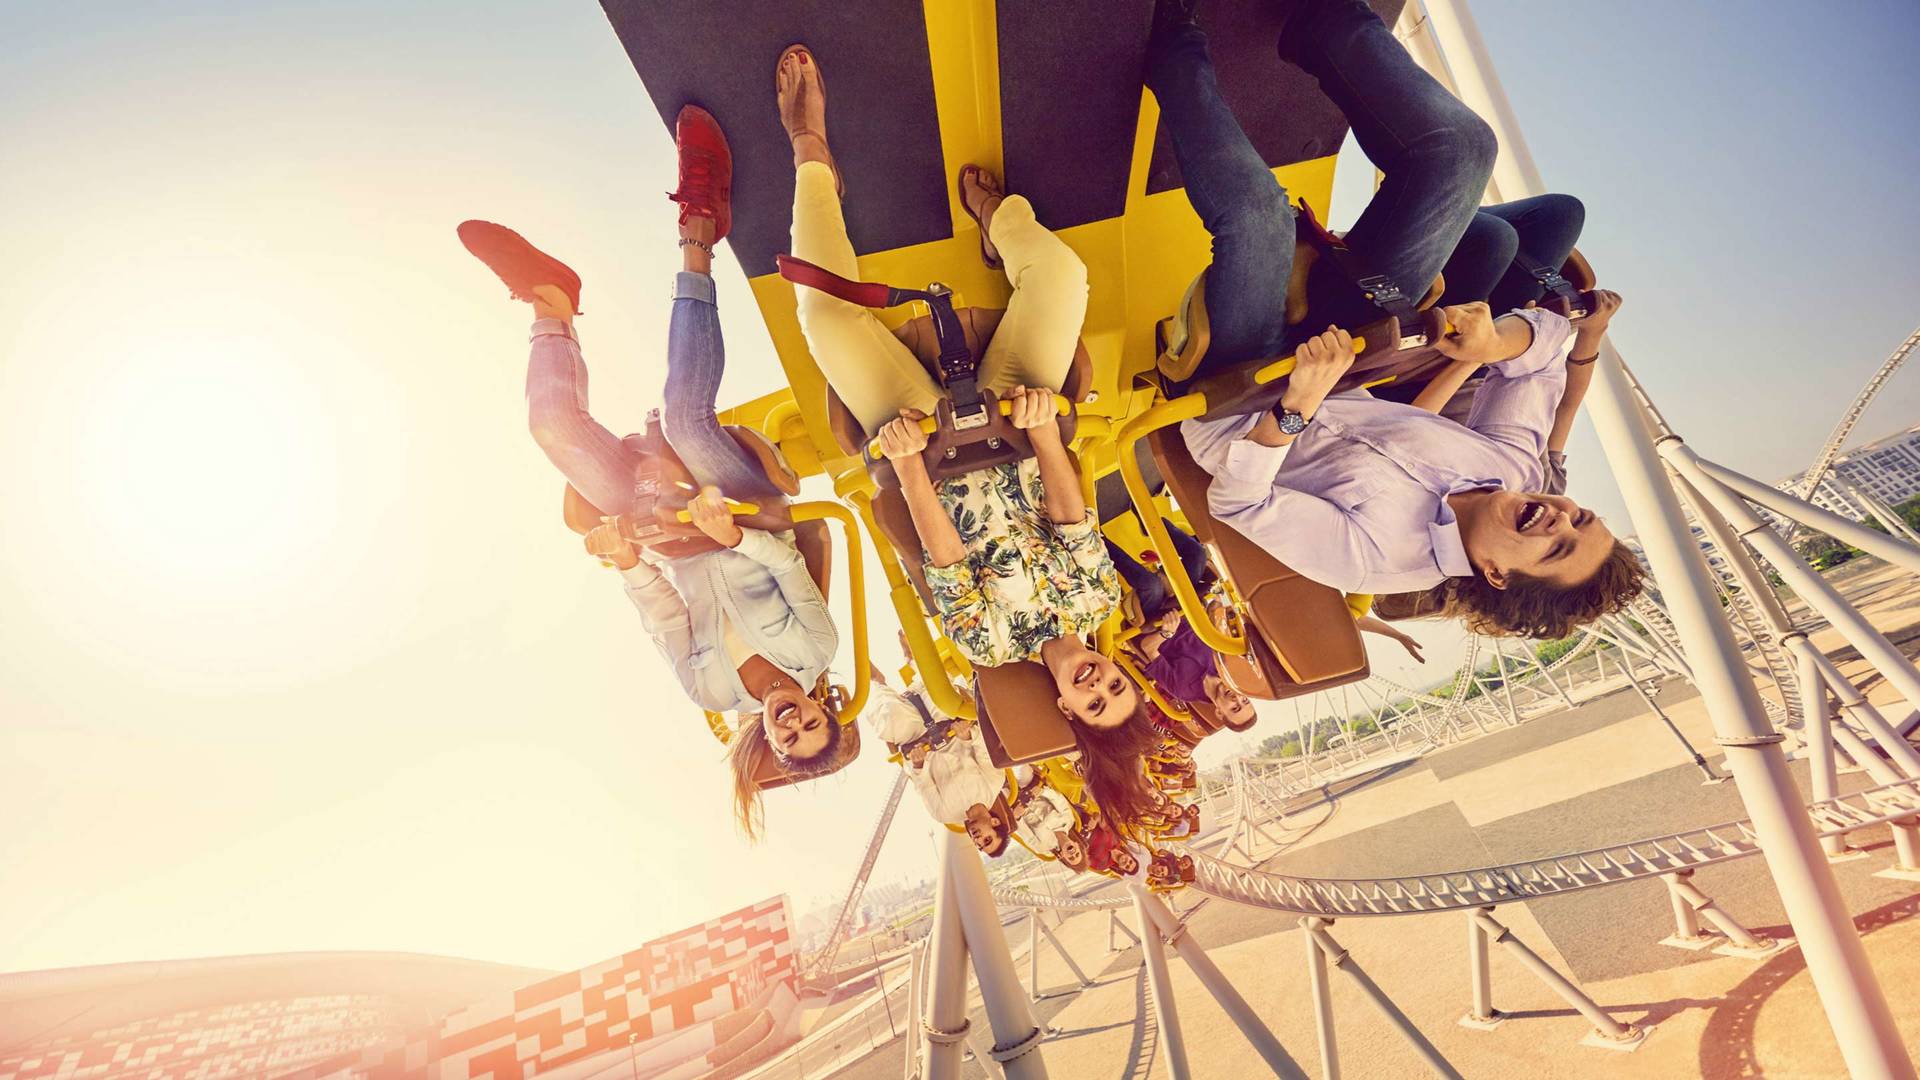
point(738, 509)
point(929, 425)
point(1284, 366)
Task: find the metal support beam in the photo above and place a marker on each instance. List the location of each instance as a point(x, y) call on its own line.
point(1480, 975)
point(1322, 1001)
point(945, 1024)
point(1318, 937)
point(1047, 932)
point(1161, 983)
point(1612, 1033)
point(1016, 1038)
point(1210, 976)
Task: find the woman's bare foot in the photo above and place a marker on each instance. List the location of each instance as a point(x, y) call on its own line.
point(980, 194)
point(552, 302)
point(803, 106)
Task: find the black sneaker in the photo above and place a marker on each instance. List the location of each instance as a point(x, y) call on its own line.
point(518, 263)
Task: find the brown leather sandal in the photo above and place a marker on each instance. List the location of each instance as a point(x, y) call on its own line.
point(989, 184)
point(839, 184)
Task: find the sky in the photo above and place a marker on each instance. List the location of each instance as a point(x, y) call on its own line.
point(294, 650)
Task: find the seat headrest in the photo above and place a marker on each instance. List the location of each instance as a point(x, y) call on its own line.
point(769, 775)
point(1020, 714)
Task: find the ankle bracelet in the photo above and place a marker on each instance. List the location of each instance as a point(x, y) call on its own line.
point(688, 241)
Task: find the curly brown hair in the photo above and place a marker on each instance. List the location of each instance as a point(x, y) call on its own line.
point(1528, 606)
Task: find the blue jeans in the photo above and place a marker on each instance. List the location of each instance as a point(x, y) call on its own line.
point(1436, 156)
point(598, 463)
point(1156, 596)
point(1544, 227)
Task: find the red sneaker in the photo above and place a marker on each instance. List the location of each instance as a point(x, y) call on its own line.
point(706, 169)
point(518, 263)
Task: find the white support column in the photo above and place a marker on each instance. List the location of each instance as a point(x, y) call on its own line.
point(945, 1023)
point(1016, 1037)
point(1160, 981)
point(1856, 1007)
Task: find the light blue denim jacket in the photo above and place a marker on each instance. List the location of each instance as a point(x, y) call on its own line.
point(763, 588)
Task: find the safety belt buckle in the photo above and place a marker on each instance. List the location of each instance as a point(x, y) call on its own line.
point(1381, 289)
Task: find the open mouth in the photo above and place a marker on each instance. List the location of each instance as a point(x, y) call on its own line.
point(1530, 515)
point(1083, 673)
point(786, 713)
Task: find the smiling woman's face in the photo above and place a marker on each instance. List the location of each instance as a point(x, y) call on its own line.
point(1096, 692)
point(795, 724)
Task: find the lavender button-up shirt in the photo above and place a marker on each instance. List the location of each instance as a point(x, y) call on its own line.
point(1358, 500)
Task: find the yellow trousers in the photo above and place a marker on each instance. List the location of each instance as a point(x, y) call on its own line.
point(877, 376)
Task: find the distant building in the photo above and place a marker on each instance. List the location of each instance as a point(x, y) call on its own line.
point(1888, 470)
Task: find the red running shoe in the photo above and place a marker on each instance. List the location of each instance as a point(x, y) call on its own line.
point(706, 170)
point(518, 263)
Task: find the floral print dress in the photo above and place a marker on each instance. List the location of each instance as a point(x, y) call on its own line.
point(1025, 580)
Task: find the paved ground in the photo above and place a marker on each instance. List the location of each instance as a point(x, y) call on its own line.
point(1605, 773)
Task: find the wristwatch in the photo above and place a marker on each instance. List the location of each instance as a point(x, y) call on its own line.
point(1291, 421)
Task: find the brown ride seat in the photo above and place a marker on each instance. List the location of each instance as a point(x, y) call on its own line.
point(1304, 638)
point(674, 486)
point(1018, 714)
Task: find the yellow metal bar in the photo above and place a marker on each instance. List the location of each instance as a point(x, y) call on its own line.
point(856, 585)
point(1284, 365)
point(1166, 414)
point(737, 509)
point(906, 605)
point(929, 425)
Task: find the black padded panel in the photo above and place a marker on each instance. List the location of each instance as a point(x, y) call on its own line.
point(1279, 106)
point(719, 54)
point(1070, 77)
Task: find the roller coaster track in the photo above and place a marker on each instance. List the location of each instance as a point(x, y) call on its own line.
point(823, 960)
point(1823, 461)
point(1458, 890)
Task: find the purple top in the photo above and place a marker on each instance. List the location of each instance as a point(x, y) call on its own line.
point(1184, 663)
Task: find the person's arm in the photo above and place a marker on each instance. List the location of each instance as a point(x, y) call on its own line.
point(1587, 335)
point(902, 442)
point(1372, 625)
point(712, 516)
point(1308, 533)
point(1525, 355)
point(664, 615)
point(1434, 396)
point(1035, 412)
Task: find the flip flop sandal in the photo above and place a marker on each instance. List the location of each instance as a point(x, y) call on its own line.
point(839, 184)
point(993, 261)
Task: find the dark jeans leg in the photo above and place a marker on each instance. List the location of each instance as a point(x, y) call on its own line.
point(696, 359)
point(1193, 556)
point(1435, 154)
point(1483, 256)
point(1547, 227)
point(1241, 204)
point(593, 459)
point(1142, 581)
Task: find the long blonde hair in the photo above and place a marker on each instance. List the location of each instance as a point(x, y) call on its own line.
point(749, 748)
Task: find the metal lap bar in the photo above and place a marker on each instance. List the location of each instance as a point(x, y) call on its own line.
point(819, 510)
point(1163, 415)
point(929, 425)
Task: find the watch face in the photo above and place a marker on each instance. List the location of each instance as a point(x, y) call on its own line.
point(1292, 423)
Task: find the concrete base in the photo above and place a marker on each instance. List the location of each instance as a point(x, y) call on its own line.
point(1483, 1023)
point(1770, 949)
point(1852, 854)
point(1693, 944)
point(1635, 1037)
point(1897, 873)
